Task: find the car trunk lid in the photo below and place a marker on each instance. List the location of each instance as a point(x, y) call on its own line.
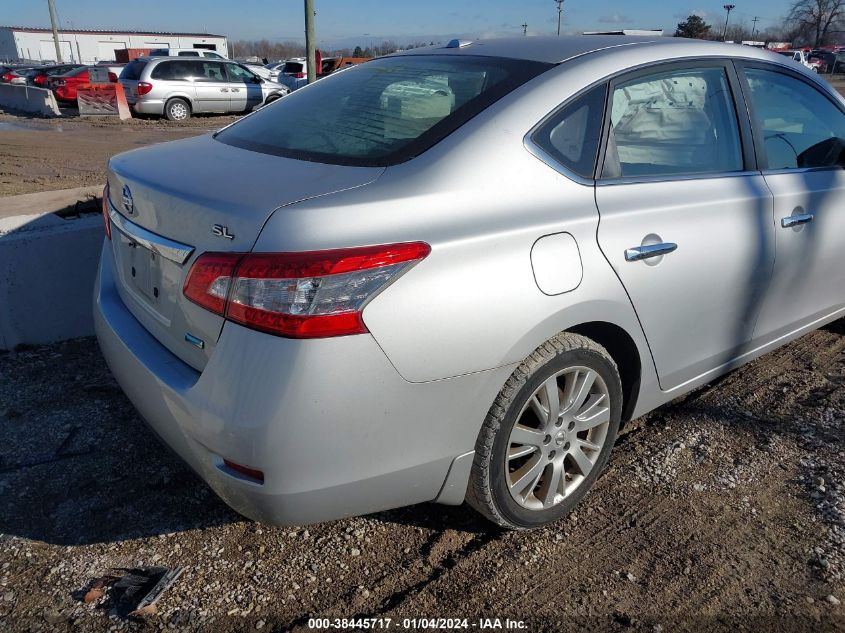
point(172, 202)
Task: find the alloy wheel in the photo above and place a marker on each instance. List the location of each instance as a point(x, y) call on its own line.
point(557, 438)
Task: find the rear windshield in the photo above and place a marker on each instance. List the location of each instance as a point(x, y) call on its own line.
point(132, 71)
point(293, 67)
point(383, 112)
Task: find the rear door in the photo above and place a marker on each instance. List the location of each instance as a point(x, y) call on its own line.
point(801, 145)
point(686, 221)
point(212, 86)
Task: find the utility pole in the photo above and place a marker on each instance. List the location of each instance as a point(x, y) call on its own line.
point(54, 24)
point(728, 8)
point(559, 14)
point(310, 41)
point(524, 28)
point(754, 28)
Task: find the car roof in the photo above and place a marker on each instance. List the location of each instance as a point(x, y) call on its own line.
point(554, 50)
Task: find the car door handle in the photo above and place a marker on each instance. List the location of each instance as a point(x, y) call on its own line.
point(224, 90)
point(638, 253)
point(795, 220)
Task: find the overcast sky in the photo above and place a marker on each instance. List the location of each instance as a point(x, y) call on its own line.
point(374, 20)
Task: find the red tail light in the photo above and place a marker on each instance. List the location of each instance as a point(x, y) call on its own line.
point(112, 77)
point(144, 87)
point(106, 220)
point(8, 77)
point(312, 294)
point(40, 79)
point(299, 75)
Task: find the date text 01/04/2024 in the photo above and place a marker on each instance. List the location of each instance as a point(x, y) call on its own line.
point(482, 624)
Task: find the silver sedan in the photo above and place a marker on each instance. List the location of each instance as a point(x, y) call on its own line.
point(452, 274)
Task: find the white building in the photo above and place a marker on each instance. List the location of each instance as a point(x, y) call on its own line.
point(89, 47)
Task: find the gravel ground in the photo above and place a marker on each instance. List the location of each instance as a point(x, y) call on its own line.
point(721, 511)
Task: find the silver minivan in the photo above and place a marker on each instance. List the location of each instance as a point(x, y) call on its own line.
point(454, 273)
point(178, 87)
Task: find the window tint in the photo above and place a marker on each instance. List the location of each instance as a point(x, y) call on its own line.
point(188, 54)
point(174, 71)
point(210, 71)
point(132, 71)
point(382, 112)
point(572, 135)
point(294, 67)
point(801, 127)
point(673, 123)
point(239, 74)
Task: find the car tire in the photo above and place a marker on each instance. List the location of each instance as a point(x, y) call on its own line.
point(504, 485)
point(177, 110)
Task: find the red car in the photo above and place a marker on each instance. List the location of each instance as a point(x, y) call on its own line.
point(40, 76)
point(64, 86)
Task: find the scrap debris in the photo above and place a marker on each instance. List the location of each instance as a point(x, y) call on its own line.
point(133, 592)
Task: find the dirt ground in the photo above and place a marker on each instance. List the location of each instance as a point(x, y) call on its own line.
point(723, 511)
point(45, 154)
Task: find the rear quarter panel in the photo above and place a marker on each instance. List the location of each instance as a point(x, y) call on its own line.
point(481, 200)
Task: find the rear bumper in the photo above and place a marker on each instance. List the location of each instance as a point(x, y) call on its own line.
point(334, 428)
point(148, 106)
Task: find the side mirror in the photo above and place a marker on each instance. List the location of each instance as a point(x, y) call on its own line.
point(257, 80)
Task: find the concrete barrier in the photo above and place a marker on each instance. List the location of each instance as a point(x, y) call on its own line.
point(48, 262)
point(29, 99)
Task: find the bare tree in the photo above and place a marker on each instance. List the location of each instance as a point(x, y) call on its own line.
point(816, 17)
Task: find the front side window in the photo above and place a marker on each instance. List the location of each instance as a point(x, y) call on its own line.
point(801, 127)
point(673, 123)
point(572, 135)
point(239, 74)
point(211, 71)
point(382, 112)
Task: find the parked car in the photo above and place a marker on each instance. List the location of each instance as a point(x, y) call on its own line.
point(294, 74)
point(825, 61)
point(263, 72)
point(40, 75)
point(14, 75)
point(332, 64)
point(185, 52)
point(347, 302)
point(802, 57)
point(178, 87)
point(65, 86)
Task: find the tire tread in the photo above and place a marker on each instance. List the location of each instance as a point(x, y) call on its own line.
point(479, 492)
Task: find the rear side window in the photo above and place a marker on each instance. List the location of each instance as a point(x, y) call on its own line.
point(801, 127)
point(572, 135)
point(673, 123)
point(382, 112)
point(173, 71)
point(132, 71)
